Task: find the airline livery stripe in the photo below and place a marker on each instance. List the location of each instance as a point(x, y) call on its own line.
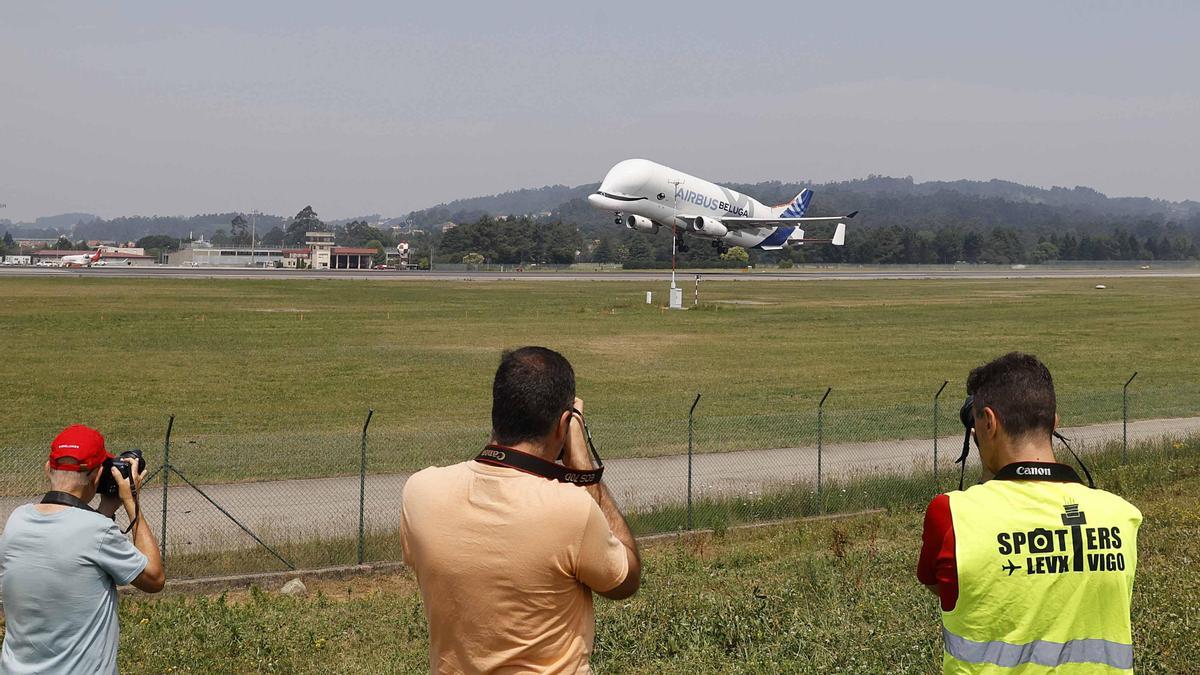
point(778, 237)
point(1040, 652)
point(799, 205)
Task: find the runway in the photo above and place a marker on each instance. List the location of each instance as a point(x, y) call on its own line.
point(877, 273)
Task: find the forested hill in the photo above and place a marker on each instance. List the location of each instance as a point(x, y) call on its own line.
point(531, 201)
point(1078, 198)
point(882, 200)
point(901, 221)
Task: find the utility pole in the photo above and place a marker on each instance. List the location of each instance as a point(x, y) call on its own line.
point(674, 237)
point(253, 219)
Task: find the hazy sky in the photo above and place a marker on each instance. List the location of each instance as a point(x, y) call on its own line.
point(360, 107)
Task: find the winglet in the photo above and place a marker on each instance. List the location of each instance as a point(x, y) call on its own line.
point(839, 235)
point(851, 214)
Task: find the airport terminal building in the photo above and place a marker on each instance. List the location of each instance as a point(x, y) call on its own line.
point(203, 254)
point(319, 253)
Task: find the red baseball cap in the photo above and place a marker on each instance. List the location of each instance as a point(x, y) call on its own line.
point(78, 448)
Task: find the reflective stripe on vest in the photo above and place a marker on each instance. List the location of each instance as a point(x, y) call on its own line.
point(1040, 652)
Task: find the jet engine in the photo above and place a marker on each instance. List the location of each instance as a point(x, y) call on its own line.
point(641, 224)
point(711, 228)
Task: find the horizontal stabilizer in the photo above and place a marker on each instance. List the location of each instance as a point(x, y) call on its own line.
point(737, 223)
point(798, 239)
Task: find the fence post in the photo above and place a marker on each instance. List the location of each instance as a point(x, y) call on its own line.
point(166, 472)
point(362, 490)
point(936, 396)
point(820, 445)
point(1125, 419)
point(691, 426)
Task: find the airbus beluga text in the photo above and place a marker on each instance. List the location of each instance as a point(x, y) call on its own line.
point(81, 260)
point(646, 196)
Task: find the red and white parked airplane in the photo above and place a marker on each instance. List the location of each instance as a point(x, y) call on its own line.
point(81, 260)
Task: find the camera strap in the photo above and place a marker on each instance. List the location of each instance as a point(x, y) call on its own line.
point(1051, 472)
point(498, 455)
point(66, 499)
point(967, 416)
point(1074, 477)
point(1091, 483)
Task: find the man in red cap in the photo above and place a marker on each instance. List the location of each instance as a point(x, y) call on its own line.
point(61, 561)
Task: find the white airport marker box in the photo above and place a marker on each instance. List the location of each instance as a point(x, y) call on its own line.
point(676, 298)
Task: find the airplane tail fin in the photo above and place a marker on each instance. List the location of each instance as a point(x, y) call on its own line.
point(795, 208)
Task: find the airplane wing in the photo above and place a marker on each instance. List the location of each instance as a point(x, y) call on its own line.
point(735, 223)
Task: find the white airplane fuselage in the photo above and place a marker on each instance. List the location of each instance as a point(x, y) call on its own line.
point(81, 260)
point(645, 196)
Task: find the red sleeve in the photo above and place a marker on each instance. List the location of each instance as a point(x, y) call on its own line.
point(937, 565)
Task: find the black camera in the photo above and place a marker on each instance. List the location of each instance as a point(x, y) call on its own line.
point(966, 414)
point(128, 463)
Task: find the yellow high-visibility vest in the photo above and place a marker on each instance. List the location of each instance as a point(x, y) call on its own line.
point(1045, 576)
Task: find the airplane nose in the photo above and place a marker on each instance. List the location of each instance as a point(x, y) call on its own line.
point(596, 201)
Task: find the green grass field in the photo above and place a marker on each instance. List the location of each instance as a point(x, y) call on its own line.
point(259, 370)
point(811, 597)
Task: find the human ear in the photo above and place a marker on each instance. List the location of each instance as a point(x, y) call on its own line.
point(991, 423)
point(561, 432)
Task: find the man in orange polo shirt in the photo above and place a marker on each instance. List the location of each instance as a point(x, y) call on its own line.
point(507, 560)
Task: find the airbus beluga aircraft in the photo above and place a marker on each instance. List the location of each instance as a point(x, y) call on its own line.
point(646, 196)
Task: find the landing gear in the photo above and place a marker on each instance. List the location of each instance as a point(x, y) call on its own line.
point(681, 245)
point(722, 247)
point(619, 220)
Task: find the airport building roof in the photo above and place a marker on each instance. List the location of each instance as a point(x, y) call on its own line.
point(52, 253)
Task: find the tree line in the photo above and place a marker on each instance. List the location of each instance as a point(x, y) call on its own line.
point(899, 244)
point(509, 241)
point(942, 227)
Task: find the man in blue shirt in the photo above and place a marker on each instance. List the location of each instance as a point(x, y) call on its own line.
point(61, 562)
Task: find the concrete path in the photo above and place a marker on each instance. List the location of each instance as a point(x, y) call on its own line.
point(279, 511)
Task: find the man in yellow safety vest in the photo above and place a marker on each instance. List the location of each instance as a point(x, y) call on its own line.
point(1033, 568)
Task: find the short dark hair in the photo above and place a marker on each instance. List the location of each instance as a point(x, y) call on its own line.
point(533, 387)
point(1018, 387)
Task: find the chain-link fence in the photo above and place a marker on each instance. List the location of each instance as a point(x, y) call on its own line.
point(242, 502)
